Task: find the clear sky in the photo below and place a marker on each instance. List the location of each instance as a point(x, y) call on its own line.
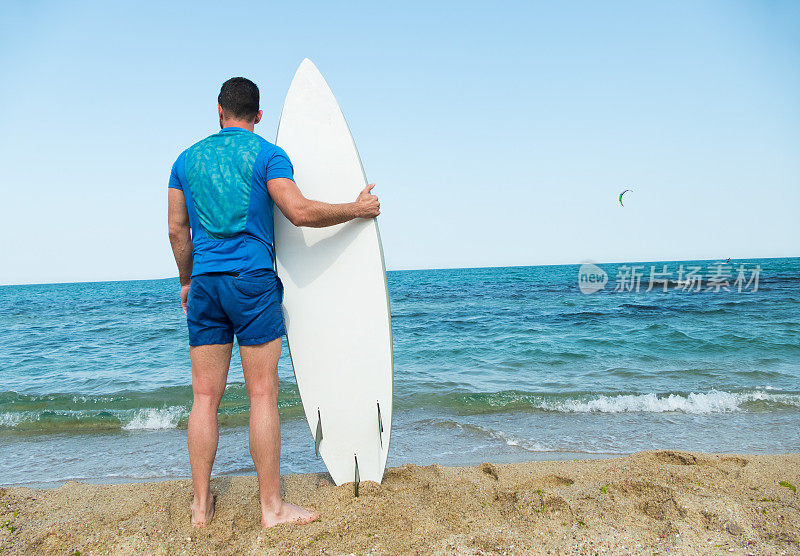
point(498, 133)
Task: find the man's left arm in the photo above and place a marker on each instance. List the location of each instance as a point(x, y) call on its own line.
point(180, 238)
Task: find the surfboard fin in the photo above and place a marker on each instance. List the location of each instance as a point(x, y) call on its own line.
point(318, 434)
point(357, 477)
point(380, 424)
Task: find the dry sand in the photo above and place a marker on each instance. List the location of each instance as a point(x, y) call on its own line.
point(648, 503)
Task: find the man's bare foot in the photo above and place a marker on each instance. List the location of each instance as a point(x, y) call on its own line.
point(202, 516)
point(286, 513)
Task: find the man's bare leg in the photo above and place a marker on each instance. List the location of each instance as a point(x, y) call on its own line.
point(209, 374)
point(260, 365)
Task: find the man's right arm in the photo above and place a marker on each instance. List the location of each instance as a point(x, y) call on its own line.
point(316, 214)
point(180, 237)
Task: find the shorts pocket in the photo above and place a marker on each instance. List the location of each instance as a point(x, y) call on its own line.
point(257, 285)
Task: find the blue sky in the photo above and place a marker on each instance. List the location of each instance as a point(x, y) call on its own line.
point(497, 135)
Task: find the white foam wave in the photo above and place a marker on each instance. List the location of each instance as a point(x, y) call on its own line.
point(11, 420)
point(701, 403)
point(515, 442)
point(153, 419)
point(509, 440)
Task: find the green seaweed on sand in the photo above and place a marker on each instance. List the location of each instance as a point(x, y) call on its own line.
point(8, 526)
point(788, 485)
point(604, 489)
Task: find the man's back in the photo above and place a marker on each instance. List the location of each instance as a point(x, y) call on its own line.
point(224, 180)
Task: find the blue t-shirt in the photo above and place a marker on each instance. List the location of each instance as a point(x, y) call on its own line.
point(224, 180)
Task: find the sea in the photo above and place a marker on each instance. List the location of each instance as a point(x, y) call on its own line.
point(490, 364)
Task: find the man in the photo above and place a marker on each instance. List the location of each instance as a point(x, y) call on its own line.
point(221, 196)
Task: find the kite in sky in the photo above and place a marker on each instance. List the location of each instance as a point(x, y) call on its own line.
point(621, 194)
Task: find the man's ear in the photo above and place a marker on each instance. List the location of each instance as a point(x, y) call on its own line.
point(258, 116)
point(219, 109)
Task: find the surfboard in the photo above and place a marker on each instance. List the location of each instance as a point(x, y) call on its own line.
point(336, 300)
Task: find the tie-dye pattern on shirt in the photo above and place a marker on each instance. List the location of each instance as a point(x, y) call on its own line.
point(219, 170)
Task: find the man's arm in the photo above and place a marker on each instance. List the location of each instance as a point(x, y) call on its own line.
point(180, 238)
point(316, 214)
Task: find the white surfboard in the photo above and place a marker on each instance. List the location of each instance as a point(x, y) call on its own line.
point(336, 302)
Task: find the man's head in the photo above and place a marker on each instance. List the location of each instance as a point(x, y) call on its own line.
point(238, 102)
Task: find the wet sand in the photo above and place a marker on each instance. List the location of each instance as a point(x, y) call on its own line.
point(649, 503)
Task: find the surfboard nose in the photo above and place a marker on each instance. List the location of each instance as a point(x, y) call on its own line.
point(307, 63)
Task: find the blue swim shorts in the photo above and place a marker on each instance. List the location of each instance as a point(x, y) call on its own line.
point(223, 304)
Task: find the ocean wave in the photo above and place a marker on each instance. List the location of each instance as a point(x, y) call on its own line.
point(699, 403)
point(513, 441)
point(76, 413)
point(713, 401)
point(164, 408)
point(152, 419)
point(492, 434)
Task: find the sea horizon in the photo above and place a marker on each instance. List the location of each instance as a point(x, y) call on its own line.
point(588, 260)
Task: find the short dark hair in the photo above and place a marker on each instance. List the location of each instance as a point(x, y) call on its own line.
point(238, 98)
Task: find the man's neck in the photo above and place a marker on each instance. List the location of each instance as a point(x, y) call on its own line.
point(249, 126)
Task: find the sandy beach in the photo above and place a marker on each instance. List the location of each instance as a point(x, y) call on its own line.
point(649, 503)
